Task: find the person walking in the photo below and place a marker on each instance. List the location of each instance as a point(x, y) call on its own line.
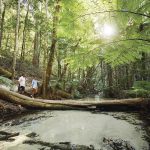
point(34, 87)
point(21, 86)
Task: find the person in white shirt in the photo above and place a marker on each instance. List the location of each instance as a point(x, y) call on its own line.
point(22, 81)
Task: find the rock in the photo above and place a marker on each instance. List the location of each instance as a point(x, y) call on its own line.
point(14, 88)
point(116, 144)
point(32, 135)
point(7, 136)
point(59, 146)
point(4, 87)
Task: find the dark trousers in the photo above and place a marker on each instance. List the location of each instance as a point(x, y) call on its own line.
point(21, 89)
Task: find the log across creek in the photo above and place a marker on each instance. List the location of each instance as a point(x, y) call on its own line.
point(115, 104)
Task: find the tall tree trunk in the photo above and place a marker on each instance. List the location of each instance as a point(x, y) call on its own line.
point(36, 53)
point(143, 69)
point(63, 75)
point(44, 72)
point(2, 24)
point(109, 76)
point(102, 73)
point(110, 80)
point(16, 40)
point(0, 16)
point(7, 40)
point(45, 55)
point(59, 68)
point(127, 77)
point(0, 7)
point(24, 36)
point(53, 45)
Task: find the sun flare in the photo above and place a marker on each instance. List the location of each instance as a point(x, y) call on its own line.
point(108, 30)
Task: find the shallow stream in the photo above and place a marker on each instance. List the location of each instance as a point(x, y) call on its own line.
point(78, 128)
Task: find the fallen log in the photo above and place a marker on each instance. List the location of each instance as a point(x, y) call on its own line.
point(28, 102)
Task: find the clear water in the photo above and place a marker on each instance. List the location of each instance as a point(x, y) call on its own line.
point(77, 127)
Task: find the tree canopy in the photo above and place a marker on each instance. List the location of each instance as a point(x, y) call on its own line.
point(71, 38)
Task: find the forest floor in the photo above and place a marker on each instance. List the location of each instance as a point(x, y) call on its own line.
point(21, 67)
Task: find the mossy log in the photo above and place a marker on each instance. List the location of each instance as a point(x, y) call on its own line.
point(5, 73)
point(59, 95)
point(63, 94)
point(28, 102)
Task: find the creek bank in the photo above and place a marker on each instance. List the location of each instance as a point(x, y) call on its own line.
point(6, 136)
point(32, 139)
point(108, 144)
point(9, 110)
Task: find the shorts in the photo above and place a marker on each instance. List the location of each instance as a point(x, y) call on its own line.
point(34, 90)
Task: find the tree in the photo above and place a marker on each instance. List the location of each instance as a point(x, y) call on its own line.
point(2, 21)
point(66, 39)
point(22, 57)
point(16, 40)
point(53, 42)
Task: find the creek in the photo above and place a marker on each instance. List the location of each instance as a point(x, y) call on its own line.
point(78, 128)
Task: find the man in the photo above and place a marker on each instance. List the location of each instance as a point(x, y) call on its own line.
point(34, 87)
point(21, 87)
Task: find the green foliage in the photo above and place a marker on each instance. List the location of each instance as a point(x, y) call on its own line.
point(139, 89)
point(79, 42)
point(137, 93)
point(145, 85)
point(6, 81)
point(126, 48)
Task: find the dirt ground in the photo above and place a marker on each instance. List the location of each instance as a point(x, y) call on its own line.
point(8, 110)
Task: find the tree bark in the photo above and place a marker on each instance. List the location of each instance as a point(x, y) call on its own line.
point(110, 92)
point(24, 36)
point(45, 55)
point(36, 53)
point(16, 40)
point(143, 68)
point(7, 40)
point(0, 8)
point(2, 24)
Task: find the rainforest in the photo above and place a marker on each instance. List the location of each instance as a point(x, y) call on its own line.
point(75, 74)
